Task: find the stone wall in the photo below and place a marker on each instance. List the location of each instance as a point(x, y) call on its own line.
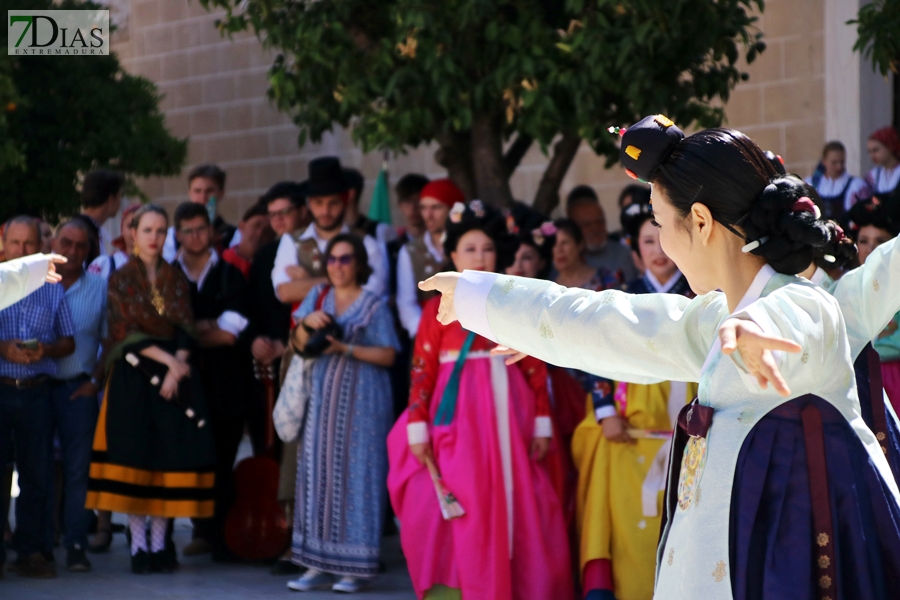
point(216, 93)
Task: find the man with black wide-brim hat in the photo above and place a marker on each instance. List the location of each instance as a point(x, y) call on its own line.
point(300, 262)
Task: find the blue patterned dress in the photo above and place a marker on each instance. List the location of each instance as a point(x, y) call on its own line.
point(342, 456)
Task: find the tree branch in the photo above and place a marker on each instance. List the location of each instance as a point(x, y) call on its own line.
point(547, 197)
point(516, 152)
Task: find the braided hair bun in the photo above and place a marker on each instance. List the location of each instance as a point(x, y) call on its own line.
point(787, 224)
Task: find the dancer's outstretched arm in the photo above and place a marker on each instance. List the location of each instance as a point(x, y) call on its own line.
point(626, 337)
point(869, 295)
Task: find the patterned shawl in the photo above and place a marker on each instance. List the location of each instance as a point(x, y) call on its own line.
point(132, 313)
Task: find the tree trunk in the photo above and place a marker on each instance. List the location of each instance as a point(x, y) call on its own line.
point(455, 155)
point(547, 197)
point(516, 152)
point(491, 179)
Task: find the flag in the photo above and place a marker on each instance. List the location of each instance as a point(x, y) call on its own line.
point(380, 207)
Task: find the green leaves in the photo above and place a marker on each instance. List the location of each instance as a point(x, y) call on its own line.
point(65, 116)
point(411, 72)
point(878, 26)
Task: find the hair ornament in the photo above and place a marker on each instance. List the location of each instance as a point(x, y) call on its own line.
point(646, 145)
point(456, 213)
point(542, 233)
point(511, 227)
point(750, 247)
point(804, 204)
point(829, 258)
point(477, 207)
point(620, 131)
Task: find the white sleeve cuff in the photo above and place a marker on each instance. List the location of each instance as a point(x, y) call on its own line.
point(470, 298)
point(38, 266)
point(232, 322)
point(542, 427)
point(605, 411)
point(417, 432)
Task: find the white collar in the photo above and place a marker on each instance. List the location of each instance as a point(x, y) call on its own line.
point(438, 254)
point(756, 288)
point(213, 259)
point(818, 276)
point(660, 287)
point(312, 232)
point(750, 296)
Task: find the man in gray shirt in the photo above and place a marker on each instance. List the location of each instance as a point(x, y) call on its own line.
point(584, 208)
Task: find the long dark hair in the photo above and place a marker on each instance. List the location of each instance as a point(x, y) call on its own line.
point(727, 172)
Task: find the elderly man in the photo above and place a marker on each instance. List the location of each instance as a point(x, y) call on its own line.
point(33, 332)
point(77, 383)
point(584, 208)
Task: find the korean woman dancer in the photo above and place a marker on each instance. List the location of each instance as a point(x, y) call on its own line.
point(486, 427)
point(777, 488)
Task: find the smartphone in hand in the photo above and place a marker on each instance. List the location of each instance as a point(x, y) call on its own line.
point(31, 344)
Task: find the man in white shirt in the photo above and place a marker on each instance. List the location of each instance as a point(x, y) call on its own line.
point(299, 263)
point(422, 257)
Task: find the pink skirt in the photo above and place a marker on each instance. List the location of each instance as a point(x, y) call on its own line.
point(890, 378)
point(488, 553)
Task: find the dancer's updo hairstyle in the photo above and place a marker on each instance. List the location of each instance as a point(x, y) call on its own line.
point(464, 218)
point(727, 172)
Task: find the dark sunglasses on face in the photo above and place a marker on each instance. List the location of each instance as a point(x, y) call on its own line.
point(344, 260)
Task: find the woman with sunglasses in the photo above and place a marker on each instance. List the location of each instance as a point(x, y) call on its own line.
point(342, 458)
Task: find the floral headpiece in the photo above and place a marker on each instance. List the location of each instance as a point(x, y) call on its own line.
point(546, 230)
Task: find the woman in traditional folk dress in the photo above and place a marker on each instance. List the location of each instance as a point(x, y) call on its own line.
point(777, 489)
point(342, 459)
point(622, 448)
point(150, 459)
point(486, 427)
point(884, 178)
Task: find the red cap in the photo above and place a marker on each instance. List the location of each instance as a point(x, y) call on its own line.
point(889, 138)
point(443, 190)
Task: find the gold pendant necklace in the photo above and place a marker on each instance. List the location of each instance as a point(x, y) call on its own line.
point(156, 298)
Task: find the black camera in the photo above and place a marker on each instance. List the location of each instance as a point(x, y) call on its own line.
point(318, 339)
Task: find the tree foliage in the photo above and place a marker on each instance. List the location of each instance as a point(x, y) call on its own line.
point(878, 27)
point(481, 76)
point(64, 115)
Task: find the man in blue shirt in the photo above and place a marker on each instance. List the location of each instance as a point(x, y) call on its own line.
point(77, 380)
point(33, 332)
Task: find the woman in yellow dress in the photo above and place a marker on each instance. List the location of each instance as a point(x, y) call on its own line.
point(621, 451)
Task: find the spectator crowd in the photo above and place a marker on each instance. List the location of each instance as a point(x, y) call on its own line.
point(129, 387)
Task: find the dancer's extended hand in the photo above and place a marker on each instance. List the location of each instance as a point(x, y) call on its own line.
point(514, 355)
point(52, 261)
point(756, 350)
point(445, 283)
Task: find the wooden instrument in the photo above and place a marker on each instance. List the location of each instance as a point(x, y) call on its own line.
point(256, 527)
point(155, 372)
